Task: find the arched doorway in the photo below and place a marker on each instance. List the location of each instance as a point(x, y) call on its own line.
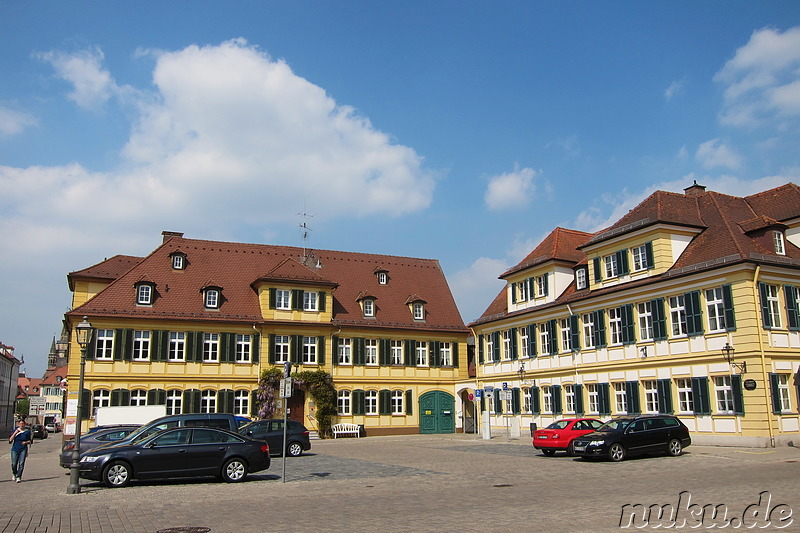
point(297, 405)
point(468, 410)
point(437, 412)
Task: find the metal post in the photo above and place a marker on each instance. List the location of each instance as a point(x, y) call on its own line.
point(285, 424)
point(75, 468)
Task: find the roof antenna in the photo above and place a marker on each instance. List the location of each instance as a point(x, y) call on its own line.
point(305, 229)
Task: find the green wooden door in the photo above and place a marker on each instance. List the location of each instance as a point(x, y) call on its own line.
point(437, 413)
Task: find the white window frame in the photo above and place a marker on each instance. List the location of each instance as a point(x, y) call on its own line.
point(104, 346)
point(371, 402)
point(611, 266)
point(569, 399)
point(566, 334)
point(369, 307)
point(774, 306)
point(685, 395)
point(620, 398)
point(639, 254)
point(283, 299)
point(344, 403)
point(445, 354)
point(208, 401)
point(716, 310)
point(309, 350)
point(371, 352)
point(541, 284)
point(282, 348)
point(489, 347)
point(645, 312)
point(527, 403)
point(396, 349)
point(523, 342)
point(547, 399)
point(177, 346)
point(580, 278)
point(650, 388)
point(211, 347)
point(783, 393)
point(138, 397)
point(344, 351)
point(144, 294)
point(723, 392)
point(777, 239)
point(507, 345)
point(522, 291)
point(241, 402)
point(383, 278)
point(310, 301)
point(677, 314)
point(174, 402)
point(544, 340)
point(421, 353)
point(100, 398)
point(397, 400)
point(243, 348)
point(615, 325)
point(593, 398)
point(141, 345)
point(419, 311)
point(211, 299)
point(177, 262)
point(588, 330)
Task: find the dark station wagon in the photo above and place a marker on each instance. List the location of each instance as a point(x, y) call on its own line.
point(631, 435)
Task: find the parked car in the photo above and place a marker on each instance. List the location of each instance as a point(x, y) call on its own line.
point(634, 435)
point(94, 439)
point(560, 435)
point(297, 437)
point(177, 452)
point(111, 426)
point(52, 427)
point(38, 431)
point(216, 420)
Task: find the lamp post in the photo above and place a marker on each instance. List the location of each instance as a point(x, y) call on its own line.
point(83, 333)
point(521, 372)
point(727, 353)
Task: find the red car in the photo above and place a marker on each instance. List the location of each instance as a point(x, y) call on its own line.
point(558, 436)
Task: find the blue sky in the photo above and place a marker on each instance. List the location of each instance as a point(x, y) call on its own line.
point(461, 131)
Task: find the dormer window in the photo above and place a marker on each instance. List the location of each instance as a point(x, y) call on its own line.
point(382, 275)
point(580, 279)
point(178, 260)
point(212, 296)
point(419, 311)
point(144, 293)
point(369, 307)
point(777, 238)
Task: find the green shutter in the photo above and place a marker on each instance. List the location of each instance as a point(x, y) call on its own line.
point(480, 349)
point(273, 298)
point(496, 346)
point(727, 303)
point(536, 406)
point(433, 354)
point(648, 250)
point(700, 396)
point(455, 355)
point(295, 346)
point(297, 300)
point(321, 300)
point(409, 402)
point(774, 389)
point(765, 314)
point(409, 352)
point(119, 345)
point(792, 312)
point(738, 395)
point(513, 293)
point(86, 403)
point(156, 397)
point(513, 343)
point(552, 337)
point(359, 401)
point(255, 348)
point(600, 328)
point(532, 340)
point(578, 391)
point(603, 399)
point(120, 397)
point(598, 270)
point(545, 288)
point(659, 319)
point(385, 402)
point(694, 313)
point(515, 407)
point(632, 395)
point(664, 387)
point(271, 349)
point(334, 350)
point(628, 325)
point(225, 402)
point(623, 266)
point(321, 350)
point(127, 352)
point(575, 333)
point(555, 395)
point(254, 404)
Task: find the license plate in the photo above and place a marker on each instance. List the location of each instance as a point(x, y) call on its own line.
point(579, 448)
point(542, 437)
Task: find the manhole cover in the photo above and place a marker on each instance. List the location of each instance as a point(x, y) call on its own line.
point(191, 529)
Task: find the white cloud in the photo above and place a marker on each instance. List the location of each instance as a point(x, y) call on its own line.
point(513, 189)
point(675, 88)
point(715, 153)
point(13, 122)
point(476, 286)
point(92, 85)
point(761, 80)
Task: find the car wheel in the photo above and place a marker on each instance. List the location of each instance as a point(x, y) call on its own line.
point(117, 474)
point(234, 470)
point(548, 452)
point(294, 449)
point(616, 452)
point(571, 449)
point(674, 448)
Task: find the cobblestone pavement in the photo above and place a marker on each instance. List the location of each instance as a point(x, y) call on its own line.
point(404, 483)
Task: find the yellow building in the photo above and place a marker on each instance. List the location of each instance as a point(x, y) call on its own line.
point(689, 304)
point(193, 325)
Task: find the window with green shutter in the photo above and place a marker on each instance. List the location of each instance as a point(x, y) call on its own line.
point(664, 388)
point(555, 392)
point(694, 314)
point(700, 397)
point(632, 397)
point(792, 296)
point(603, 399)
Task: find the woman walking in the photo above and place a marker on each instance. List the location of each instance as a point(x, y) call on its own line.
point(20, 440)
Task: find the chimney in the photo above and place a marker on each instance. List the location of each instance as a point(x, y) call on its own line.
point(167, 235)
point(695, 189)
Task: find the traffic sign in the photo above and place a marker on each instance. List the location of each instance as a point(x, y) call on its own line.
point(478, 393)
point(505, 385)
point(286, 388)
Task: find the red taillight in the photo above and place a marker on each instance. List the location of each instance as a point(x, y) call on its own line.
point(306, 432)
point(69, 445)
point(265, 448)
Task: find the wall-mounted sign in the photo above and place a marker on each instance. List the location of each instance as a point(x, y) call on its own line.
point(750, 384)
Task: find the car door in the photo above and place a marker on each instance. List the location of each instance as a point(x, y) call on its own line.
point(275, 436)
point(636, 437)
point(164, 456)
point(207, 451)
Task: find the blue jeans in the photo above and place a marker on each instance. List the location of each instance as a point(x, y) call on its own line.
point(18, 461)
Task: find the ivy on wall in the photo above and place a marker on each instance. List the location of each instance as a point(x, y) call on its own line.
point(318, 383)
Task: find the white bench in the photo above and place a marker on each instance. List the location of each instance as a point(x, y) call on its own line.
point(345, 429)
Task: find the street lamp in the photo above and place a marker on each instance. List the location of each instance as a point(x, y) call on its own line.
point(727, 353)
point(83, 333)
point(521, 371)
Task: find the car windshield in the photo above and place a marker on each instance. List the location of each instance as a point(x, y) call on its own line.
point(614, 425)
point(561, 424)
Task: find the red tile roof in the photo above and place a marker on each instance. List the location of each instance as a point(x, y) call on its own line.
point(560, 245)
point(237, 267)
point(107, 270)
